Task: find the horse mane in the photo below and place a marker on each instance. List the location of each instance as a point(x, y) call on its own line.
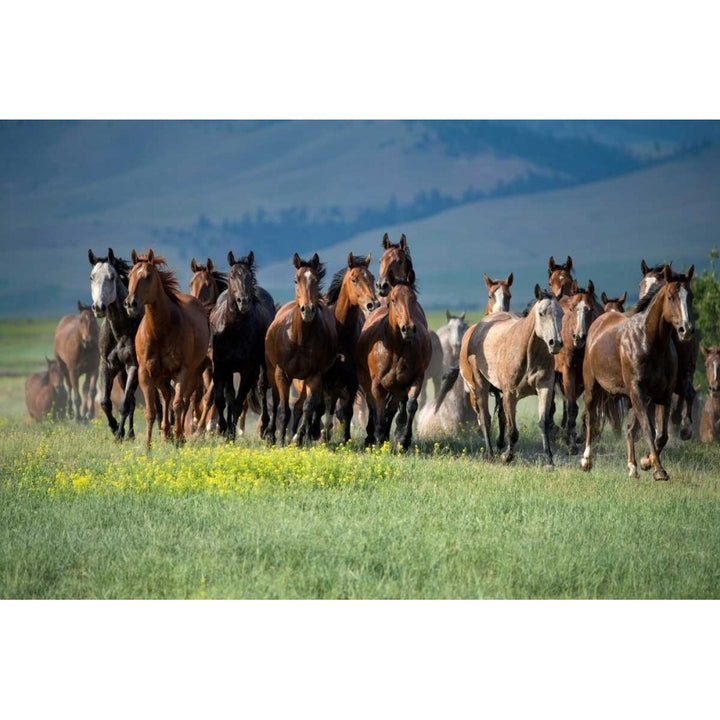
point(333, 292)
point(219, 277)
point(644, 302)
point(167, 277)
point(319, 270)
point(121, 266)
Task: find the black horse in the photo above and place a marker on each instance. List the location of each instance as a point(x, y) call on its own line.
point(239, 322)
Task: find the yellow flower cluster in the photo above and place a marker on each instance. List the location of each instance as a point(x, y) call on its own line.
point(222, 470)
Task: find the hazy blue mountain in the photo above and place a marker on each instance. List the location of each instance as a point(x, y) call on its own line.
point(472, 196)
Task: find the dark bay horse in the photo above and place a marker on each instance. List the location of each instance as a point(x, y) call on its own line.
point(396, 266)
point(579, 312)
point(108, 286)
point(45, 393)
point(633, 355)
point(513, 354)
point(77, 351)
point(710, 420)
point(393, 353)
point(301, 343)
point(614, 304)
point(239, 322)
point(681, 414)
point(499, 294)
point(171, 342)
point(351, 297)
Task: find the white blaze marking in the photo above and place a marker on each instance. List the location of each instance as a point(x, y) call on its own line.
point(683, 294)
point(646, 284)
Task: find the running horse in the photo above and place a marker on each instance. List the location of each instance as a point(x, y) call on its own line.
point(710, 420)
point(77, 352)
point(118, 359)
point(45, 393)
point(393, 354)
point(681, 414)
point(579, 312)
point(512, 355)
point(633, 355)
point(239, 322)
point(301, 343)
point(171, 342)
point(396, 267)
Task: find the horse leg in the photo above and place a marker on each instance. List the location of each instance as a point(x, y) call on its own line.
point(247, 381)
point(644, 412)
point(108, 374)
point(127, 404)
point(331, 399)
point(545, 395)
point(410, 406)
point(262, 391)
point(501, 418)
point(221, 377)
point(75, 395)
point(283, 385)
point(370, 427)
point(572, 411)
point(151, 403)
point(686, 429)
point(509, 405)
point(632, 425)
point(92, 393)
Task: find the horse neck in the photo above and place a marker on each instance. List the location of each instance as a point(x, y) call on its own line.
point(158, 313)
point(657, 328)
point(301, 332)
point(526, 337)
point(346, 315)
point(116, 314)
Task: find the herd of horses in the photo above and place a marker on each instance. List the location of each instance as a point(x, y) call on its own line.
point(205, 358)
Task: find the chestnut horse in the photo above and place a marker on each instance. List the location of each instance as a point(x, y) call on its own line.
point(108, 286)
point(239, 323)
point(633, 354)
point(45, 393)
point(171, 342)
point(579, 312)
point(499, 294)
point(681, 414)
point(393, 353)
point(513, 354)
point(560, 277)
point(301, 343)
point(396, 266)
point(78, 353)
point(710, 420)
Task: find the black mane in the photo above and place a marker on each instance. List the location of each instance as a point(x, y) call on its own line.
point(333, 292)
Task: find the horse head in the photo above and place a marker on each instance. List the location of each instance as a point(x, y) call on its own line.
point(241, 282)
point(395, 266)
point(498, 294)
point(105, 276)
point(548, 319)
point(204, 283)
point(651, 276)
point(456, 326)
point(358, 283)
point(580, 312)
point(614, 304)
point(145, 282)
point(560, 276)
point(402, 310)
point(712, 367)
point(677, 307)
point(88, 325)
point(307, 285)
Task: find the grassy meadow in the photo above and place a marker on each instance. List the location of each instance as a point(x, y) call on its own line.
point(84, 517)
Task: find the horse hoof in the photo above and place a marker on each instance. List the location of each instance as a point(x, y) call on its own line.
point(660, 475)
point(507, 457)
point(645, 463)
point(585, 464)
point(686, 433)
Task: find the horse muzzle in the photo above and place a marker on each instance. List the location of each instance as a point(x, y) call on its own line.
point(243, 306)
point(579, 341)
point(131, 307)
point(308, 312)
point(371, 306)
point(408, 332)
point(383, 288)
point(555, 345)
point(685, 332)
point(99, 311)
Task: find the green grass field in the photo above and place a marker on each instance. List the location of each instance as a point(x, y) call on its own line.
point(84, 517)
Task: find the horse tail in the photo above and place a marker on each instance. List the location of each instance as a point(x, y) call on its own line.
point(448, 380)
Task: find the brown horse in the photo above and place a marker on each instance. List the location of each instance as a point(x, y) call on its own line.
point(499, 294)
point(710, 420)
point(301, 343)
point(45, 393)
point(396, 267)
point(77, 351)
point(513, 354)
point(560, 277)
point(171, 342)
point(614, 304)
point(681, 413)
point(393, 353)
point(633, 354)
point(579, 312)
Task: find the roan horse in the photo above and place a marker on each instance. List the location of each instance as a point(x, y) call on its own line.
point(396, 266)
point(579, 312)
point(45, 393)
point(108, 286)
point(633, 354)
point(301, 343)
point(239, 323)
point(393, 353)
point(710, 420)
point(171, 342)
point(687, 361)
point(77, 351)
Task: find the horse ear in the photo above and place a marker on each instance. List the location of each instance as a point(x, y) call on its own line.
point(251, 258)
point(210, 265)
point(403, 242)
point(193, 265)
point(368, 258)
point(591, 287)
point(231, 258)
point(296, 260)
point(133, 256)
point(150, 255)
point(568, 264)
point(80, 306)
point(551, 264)
point(689, 274)
point(351, 261)
point(386, 241)
point(111, 255)
point(509, 280)
point(604, 298)
point(487, 280)
point(447, 315)
point(667, 273)
point(538, 291)
point(315, 262)
point(623, 298)
point(644, 269)
point(574, 288)
point(462, 315)
point(91, 257)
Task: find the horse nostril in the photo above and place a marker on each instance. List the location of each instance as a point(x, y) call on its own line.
point(551, 342)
